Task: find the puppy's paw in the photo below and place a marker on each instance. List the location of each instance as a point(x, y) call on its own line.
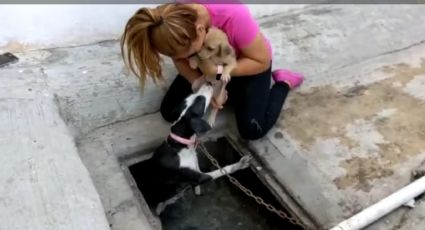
point(225, 78)
point(245, 162)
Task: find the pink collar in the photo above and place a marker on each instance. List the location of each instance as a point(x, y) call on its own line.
point(183, 140)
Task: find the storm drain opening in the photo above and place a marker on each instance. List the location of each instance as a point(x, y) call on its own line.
point(221, 206)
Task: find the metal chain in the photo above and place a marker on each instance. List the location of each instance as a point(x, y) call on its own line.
point(248, 192)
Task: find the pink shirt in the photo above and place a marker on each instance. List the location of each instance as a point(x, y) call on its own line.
point(235, 19)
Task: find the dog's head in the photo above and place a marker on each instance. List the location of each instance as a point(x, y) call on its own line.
point(191, 113)
point(215, 44)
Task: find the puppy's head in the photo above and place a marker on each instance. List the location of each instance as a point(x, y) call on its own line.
point(191, 113)
point(215, 44)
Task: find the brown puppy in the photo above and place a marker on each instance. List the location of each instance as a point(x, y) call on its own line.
point(216, 50)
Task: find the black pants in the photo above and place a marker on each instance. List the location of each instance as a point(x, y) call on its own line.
point(257, 107)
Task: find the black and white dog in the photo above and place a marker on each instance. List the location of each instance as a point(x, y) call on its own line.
point(174, 165)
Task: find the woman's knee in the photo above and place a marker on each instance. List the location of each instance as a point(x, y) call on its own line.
point(178, 91)
point(166, 112)
point(251, 130)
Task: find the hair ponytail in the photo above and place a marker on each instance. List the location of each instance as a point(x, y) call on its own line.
point(151, 32)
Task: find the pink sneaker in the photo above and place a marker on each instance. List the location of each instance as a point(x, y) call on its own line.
point(291, 78)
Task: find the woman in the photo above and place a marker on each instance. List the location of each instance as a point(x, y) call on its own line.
point(177, 30)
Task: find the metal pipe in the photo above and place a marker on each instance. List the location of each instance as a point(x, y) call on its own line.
point(383, 207)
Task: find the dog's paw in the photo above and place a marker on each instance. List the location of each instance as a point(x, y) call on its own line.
point(198, 191)
point(245, 161)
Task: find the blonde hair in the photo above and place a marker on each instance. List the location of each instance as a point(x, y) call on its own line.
point(166, 29)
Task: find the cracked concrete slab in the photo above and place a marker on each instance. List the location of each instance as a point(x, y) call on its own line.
point(81, 79)
point(320, 39)
point(44, 183)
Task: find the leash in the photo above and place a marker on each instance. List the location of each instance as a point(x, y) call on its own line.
point(247, 191)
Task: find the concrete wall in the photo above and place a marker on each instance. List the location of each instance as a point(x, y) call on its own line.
point(29, 27)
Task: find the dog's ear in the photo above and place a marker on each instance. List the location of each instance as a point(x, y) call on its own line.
point(224, 50)
point(199, 125)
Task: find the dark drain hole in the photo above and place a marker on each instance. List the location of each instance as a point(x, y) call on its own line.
point(222, 206)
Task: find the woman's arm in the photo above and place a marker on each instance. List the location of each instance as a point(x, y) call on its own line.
point(182, 66)
point(254, 58)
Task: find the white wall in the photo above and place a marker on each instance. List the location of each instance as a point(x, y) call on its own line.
point(28, 27)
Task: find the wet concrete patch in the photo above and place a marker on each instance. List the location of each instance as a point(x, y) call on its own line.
point(278, 135)
point(327, 112)
point(361, 172)
point(56, 55)
point(322, 11)
point(288, 21)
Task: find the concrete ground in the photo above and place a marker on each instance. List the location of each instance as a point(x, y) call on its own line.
point(72, 119)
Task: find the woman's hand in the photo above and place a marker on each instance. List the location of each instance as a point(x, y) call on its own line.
point(198, 82)
point(208, 68)
point(253, 58)
point(217, 103)
point(182, 66)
